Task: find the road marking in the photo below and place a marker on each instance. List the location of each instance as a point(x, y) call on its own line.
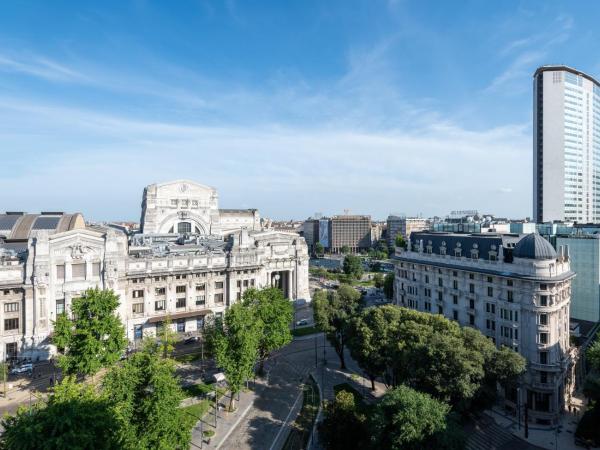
point(284, 424)
point(234, 425)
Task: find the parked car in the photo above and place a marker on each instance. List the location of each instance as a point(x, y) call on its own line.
point(191, 340)
point(23, 368)
point(302, 322)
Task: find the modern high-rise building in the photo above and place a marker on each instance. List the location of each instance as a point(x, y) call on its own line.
point(566, 145)
point(403, 226)
point(350, 231)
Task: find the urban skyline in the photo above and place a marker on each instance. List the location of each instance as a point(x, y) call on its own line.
point(77, 109)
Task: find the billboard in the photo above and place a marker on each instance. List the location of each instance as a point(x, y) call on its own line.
point(324, 232)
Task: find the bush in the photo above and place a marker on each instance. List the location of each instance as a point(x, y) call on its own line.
point(588, 431)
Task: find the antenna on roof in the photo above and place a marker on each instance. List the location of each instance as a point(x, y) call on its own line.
point(346, 212)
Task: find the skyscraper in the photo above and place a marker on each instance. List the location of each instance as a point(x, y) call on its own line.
point(566, 145)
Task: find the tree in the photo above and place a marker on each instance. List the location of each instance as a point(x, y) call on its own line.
point(345, 250)
point(94, 337)
point(344, 427)
point(74, 417)
point(145, 395)
point(319, 249)
point(275, 313)
point(400, 242)
point(378, 280)
point(236, 345)
point(333, 311)
point(406, 419)
point(388, 285)
point(353, 266)
point(368, 338)
point(166, 337)
point(593, 354)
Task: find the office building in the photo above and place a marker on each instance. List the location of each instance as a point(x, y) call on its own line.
point(351, 231)
point(403, 226)
point(566, 149)
point(515, 289)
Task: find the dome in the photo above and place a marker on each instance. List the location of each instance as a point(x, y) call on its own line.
point(534, 246)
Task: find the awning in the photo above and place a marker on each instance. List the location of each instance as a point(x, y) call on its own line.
point(182, 315)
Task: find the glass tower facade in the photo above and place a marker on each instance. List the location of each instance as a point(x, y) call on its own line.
point(566, 145)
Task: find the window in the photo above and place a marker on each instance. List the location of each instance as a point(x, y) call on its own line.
point(491, 308)
point(200, 323)
point(218, 316)
point(490, 291)
point(440, 310)
point(426, 278)
point(218, 298)
point(180, 289)
point(489, 279)
point(455, 314)
point(96, 269)
point(160, 291)
point(60, 272)
point(180, 303)
point(543, 287)
point(472, 304)
point(138, 332)
point(543, 377)
point(181, 326)
point(543, 319)
point(184, 203)
point(239, 283)
point(160, 305)
point(440, 282)
point(471, 288)
point(455, 299)
point(184, 227)
point(543, 338)
point(218, 285)
point(509, 296)
point(11, 324)
point(200, 300)
point(78, 271)
point(509, 282)
point(471, 276)
point(173, 202)
point(543, 357)
point(60, 306)
point(194, 203)
point(543, 300)
point(137, 308)
point(138, 293)
point(11, 307)
point(471, 319)
point(454, 273)
point(455, 284)
point(440, 298)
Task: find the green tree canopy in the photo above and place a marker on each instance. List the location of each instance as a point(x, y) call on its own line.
point(145, 396)
point(344, 427)
point(378, 280)
point(406, 419)
point(236, 343)
point(399, 241)
point(275, 313)
point(94, 337)
point(353, 266)
point(74, 417)
point(345, 250)
point(319, 249)
point(593, 354)
point(388, 285)
point(332, 311)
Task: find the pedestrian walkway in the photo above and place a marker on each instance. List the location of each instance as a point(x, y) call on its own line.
point(226, 422)
point(483, 433)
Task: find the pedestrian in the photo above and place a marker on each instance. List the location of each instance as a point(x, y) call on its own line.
point(51, 382)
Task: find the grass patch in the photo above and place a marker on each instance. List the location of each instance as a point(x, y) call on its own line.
point(302, 426)
point(198, 410)
point(189, 357)
point(201, 389)
point(305, 331)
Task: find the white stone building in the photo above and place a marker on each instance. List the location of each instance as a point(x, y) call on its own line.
point(201, 264)
point(515, 290)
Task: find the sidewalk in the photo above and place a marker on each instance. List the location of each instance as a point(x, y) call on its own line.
point(226, 422)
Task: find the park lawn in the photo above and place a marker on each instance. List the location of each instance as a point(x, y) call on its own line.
point(198, 410)
point(198, 390)
point(305, 331)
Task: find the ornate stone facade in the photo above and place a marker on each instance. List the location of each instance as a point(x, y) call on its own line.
point(173, 272)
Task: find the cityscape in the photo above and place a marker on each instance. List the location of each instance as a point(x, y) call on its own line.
point(375, 281)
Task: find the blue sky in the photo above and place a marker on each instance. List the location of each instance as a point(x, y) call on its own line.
point(292, 107)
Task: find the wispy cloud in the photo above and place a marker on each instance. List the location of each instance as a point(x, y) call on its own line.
point(40, 67)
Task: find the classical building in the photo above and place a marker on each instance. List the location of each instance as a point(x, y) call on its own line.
point(190, 260)
point(515, 289)
point(566, 150)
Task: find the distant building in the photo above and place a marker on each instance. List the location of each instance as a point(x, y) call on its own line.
point(566, 115)
point(317, 230)
point(515, 290)
point(350, 231)
point(403, 226)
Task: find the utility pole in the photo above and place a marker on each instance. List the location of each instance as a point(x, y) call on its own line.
point(316, 361)
point(526, 419)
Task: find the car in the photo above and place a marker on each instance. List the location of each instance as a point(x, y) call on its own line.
point(23, 368)
point(191, 340)
point(302, 322)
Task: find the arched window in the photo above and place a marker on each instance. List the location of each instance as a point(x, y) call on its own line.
point(184, 227)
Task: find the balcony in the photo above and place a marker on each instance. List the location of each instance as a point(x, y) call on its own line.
point(543, 386)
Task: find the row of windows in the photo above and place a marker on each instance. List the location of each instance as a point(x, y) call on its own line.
point(78, 271)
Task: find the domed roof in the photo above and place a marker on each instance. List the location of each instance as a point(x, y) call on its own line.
point(534, 246)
